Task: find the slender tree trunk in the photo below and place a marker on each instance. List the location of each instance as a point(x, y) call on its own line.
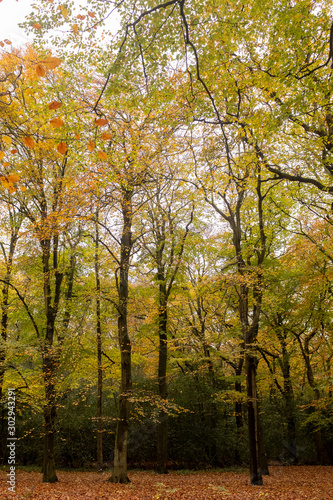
point(252, 407)
point(119, 474)
point(50, 413)
point(263, 460)
point(99, 356)
point(162, 430)
point(288, 395)
point(238, 413)
point(50, 357)
point(322, 452)
point(4, 329)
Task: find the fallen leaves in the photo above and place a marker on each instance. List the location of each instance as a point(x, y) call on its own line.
point(284, 483)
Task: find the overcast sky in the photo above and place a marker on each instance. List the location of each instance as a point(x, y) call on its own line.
point(13, 12)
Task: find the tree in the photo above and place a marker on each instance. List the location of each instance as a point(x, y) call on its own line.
point(166, 227)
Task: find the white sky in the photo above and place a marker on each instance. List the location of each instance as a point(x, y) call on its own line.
point(13, 12)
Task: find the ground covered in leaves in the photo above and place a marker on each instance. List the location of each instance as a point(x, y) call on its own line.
point(284, 483)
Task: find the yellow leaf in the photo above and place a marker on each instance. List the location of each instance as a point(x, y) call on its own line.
point(2, 154)
point(28, 141)
point(62, 148)
point(64, 12)
point(100, 122)
point(40, 70)
point(7, 139)
point(102, 155)
point(57, 122)
point(106, 136)
point(55, 105)
point(23, 188)
point(37, 26)
point(91, 146)
point(75, 28)
point(51, 62)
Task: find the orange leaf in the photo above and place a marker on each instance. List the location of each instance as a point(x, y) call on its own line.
point(106, 135)
point(2, 44)
point(91, 146)
point(6, 164)
point(37, 26)
point(77, 136)
point(8, 42)
point(55, 105)
point(57, 122)
point(13, 151)
point(75, 28)
point(102, 155)
point(62, 148)
point(82, 18)
point(91, 14)
point(23, 188)
point(28, 141)
point(40, 70)
point(13, 177)
point(100, 122)
point(51, 62)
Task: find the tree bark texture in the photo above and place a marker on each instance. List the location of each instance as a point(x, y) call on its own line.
point(99, 355)
point(119, 474)
point(162, 431)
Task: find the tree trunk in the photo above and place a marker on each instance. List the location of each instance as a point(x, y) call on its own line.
point(263, 461)
point(119, 474)
point(252, 407)
point(50, 412)
point(4, 328)
point(238, 414)
point(99, 356)
point(288, 395)
point(50, 357)
point(162, 431)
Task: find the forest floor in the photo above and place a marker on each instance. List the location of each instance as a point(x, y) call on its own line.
point(283, 483)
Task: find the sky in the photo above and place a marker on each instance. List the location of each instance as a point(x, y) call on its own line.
point(13, 12)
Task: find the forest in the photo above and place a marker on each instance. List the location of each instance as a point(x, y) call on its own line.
point(166, 261)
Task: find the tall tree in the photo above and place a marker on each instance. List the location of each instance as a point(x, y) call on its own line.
point(169, 215)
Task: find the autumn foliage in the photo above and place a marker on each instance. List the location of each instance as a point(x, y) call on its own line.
point(166, 253)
